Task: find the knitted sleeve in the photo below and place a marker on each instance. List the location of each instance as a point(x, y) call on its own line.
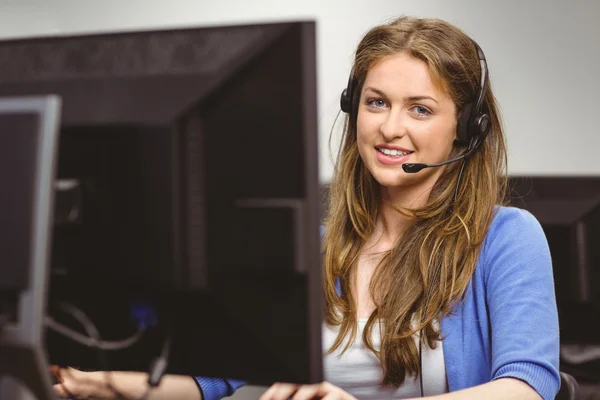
point(217, 388)
point(522, 303)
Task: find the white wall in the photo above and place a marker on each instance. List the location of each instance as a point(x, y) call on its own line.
point(543, 56)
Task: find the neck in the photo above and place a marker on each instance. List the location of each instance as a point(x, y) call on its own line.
point(391, 224)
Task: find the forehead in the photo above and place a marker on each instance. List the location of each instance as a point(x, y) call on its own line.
point(404, 73)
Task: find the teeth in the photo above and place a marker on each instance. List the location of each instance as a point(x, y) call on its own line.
point(395, 153)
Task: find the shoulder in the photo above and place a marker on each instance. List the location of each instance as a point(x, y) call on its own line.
point(513, 226)
point(515, 236)
point(513, 220)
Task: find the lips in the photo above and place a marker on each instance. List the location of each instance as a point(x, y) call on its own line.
point(395, 156)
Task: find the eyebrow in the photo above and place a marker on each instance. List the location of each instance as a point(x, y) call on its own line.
point(410, 98)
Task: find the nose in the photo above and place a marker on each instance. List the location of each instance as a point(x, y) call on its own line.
point(394, 126)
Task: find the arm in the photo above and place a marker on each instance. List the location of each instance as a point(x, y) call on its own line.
point(522, 304)
point(130, 385)
point(519, 290)
point(134, 385)
point(500, 389)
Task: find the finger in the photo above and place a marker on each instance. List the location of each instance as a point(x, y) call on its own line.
point(307, 392)
point(74, 384)
point(280, 391)
point(285, 391)
point(336, 394)
point(269, 392)
point(327, 391)
point(61, 391)
point(55, 373)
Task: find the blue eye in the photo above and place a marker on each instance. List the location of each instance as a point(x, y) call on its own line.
point(421, 111)
point(376, 103)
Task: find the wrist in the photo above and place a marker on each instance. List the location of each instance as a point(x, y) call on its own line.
point(96, 385)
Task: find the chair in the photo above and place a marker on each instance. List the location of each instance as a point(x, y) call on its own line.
point(568, 387)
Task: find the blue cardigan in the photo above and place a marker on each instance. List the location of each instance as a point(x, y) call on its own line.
point(507, 323)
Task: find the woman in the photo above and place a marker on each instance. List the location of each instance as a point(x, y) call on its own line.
point(430, 252)
point(432, 287)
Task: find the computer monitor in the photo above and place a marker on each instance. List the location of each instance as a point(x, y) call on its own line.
point(28, 148)
point(568, 208)
point(187, 195)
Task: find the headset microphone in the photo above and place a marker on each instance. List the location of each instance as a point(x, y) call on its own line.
point(411, 168)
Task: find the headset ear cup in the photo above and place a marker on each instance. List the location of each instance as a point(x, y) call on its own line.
point(347, 95)
point(462, 128)
point(345, 102)
point(482, 124)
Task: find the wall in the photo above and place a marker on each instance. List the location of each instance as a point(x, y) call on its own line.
point(542, 57)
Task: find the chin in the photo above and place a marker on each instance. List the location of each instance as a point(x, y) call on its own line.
point(391, 178)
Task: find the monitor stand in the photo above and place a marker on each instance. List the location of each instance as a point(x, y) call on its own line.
point(22, 354)
point(28, 367)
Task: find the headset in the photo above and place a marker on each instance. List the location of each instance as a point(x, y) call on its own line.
point(473, 122)
point(473, 125)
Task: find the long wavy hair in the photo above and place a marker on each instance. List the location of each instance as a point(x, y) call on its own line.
point(437, 255)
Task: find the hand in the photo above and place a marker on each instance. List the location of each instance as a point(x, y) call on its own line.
point(73, 383)
point(324, 391)
point(67, 381)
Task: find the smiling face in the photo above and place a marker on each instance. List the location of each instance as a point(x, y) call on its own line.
point(403, 117)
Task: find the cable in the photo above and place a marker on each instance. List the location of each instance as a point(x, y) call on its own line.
point(579, 354)
point(89, 340)
point(94, 335)
point(158, 368)
point(421, 363)
point(460, 174)
point(421, 349)
point(473, 144)
point(439, 267)
point(94, 340)
point(159, 365)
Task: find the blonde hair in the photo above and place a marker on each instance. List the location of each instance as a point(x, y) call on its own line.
point(438, 253)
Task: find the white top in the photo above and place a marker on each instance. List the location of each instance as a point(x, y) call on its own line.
point(358, 371)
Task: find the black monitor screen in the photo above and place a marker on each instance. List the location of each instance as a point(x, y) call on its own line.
point(18, 160)
point(187, 199)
